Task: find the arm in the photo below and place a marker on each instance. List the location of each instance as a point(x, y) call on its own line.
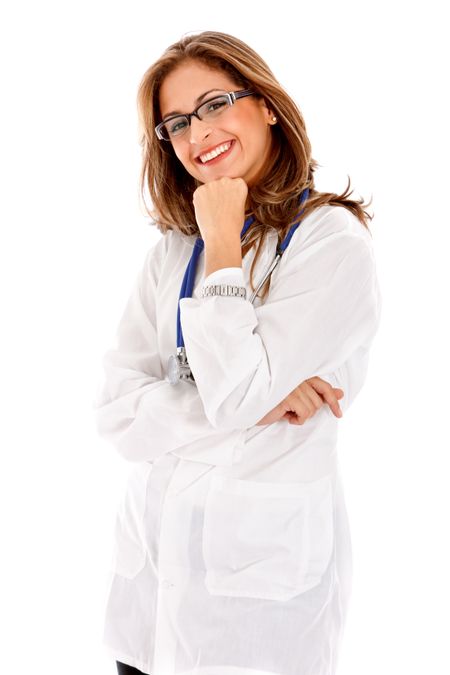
point(136, 409)
point(322, 306)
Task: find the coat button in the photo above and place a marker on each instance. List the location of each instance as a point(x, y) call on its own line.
point(165, 583)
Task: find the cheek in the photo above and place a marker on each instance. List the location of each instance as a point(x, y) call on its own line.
point(182, 156)
point(249, 134)
point(190, 166)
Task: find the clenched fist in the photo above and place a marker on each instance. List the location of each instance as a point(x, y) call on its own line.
point(220, 209)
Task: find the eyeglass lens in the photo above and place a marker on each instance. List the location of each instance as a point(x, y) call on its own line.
point(209, 109)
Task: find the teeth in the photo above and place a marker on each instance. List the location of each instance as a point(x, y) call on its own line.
point(215, 153)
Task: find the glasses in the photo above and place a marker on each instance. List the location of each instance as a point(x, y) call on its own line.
point(177, 125)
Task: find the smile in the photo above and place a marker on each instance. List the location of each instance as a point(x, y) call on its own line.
point(219, 152)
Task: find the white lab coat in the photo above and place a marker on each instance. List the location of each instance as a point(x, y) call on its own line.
point(232, 553)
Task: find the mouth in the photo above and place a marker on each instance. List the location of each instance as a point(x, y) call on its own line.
point(216, 154)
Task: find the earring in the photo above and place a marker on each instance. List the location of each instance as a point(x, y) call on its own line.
point(274, 119)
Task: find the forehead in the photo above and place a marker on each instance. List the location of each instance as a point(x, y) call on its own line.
point(182, 87)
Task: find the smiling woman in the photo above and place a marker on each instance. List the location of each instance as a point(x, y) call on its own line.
point(269, 148)
point(232, 548)
point(242, 127)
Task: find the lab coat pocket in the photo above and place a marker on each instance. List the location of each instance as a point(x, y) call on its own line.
point(266, 540)
point(129, 549)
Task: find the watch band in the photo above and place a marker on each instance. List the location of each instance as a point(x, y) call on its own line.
point(224, 289)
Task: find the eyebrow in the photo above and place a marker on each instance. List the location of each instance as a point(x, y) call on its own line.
point(197, 100)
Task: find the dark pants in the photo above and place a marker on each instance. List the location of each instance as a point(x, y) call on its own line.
point(123, 669)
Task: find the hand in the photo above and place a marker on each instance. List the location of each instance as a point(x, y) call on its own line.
point(220, 208)
point(304, 401)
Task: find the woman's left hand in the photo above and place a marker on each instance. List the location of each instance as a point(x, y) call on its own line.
point(220, 208)
point(304, 401)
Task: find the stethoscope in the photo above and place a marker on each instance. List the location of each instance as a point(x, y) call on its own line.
point(178, 366)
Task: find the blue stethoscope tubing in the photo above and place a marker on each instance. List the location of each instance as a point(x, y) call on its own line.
point(189, 276)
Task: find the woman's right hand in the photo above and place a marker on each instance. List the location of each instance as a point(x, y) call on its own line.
point(304, 401)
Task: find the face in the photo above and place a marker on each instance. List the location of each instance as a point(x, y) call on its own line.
point(246, 125)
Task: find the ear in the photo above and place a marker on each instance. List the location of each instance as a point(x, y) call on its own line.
point(268, 112)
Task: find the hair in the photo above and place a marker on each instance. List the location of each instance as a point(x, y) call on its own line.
point(273, 201)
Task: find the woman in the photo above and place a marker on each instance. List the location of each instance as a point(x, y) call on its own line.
point(233, 555)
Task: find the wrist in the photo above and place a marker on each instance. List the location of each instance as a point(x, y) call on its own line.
point(223, 253)
point(222, 237)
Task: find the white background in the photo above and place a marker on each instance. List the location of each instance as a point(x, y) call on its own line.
point(371, 81)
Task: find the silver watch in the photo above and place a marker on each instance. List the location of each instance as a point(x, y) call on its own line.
point(224, 289)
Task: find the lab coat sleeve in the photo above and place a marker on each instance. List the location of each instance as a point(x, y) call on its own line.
point(135, 408)
point(323, 304)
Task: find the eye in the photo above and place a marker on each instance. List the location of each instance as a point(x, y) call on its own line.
point(177, 125)
point(213, 107)
point(217, 104)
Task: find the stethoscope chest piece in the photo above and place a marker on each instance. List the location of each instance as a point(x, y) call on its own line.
point(178, 368)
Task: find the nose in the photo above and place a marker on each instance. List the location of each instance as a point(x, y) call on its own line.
point(198, 130)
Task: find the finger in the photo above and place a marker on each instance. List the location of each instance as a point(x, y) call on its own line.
point(309, 392)
point(306, 393)
point(304, 402)
point(329, 393)
point(300, 404)
point(332, 400)
point(293, 418)
point(294, 409)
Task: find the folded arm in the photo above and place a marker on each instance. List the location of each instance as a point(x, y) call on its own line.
point(139, 411)
point(322, 306)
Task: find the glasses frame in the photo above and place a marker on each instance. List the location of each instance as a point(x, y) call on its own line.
point(232, 97)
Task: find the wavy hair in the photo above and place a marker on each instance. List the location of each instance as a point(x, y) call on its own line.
point(273, 201)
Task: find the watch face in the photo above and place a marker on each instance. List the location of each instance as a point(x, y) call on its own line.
point(173, 369)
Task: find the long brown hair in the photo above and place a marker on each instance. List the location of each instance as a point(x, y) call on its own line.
point(274, 200)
